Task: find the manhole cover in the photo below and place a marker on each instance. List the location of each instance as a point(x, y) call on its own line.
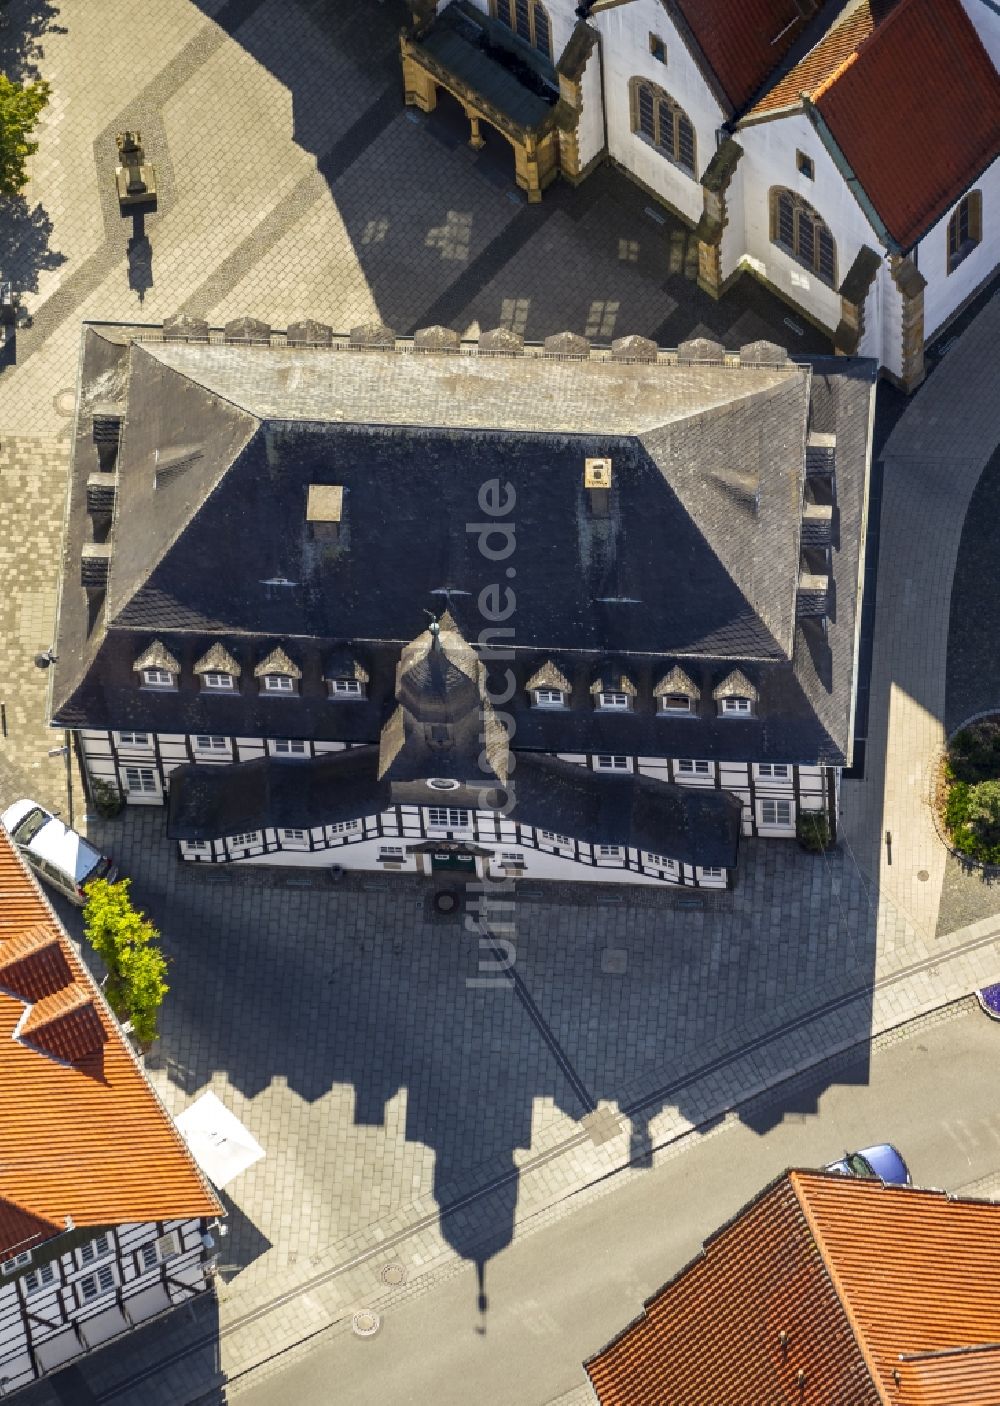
point(393, 1274)
point(445, 901)
point(366, 1323)
point(923, 876)
point(64, 402)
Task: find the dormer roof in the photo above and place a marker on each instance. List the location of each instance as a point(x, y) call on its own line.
point(277, 662)
point(612, 678)
point(677, 682)
point(157, 656)
point(549, 676)
point(735, 685)
point(218, 660)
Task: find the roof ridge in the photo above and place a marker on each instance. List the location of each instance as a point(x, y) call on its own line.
point(799, 1181)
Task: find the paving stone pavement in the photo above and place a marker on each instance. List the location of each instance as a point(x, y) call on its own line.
point(337, 1022)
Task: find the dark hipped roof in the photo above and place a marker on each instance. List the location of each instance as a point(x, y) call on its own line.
point(682, 823)
point(916, 112)
point(696, 562)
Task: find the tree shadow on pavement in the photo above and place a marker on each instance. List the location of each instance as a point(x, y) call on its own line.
point(25, 232)
point(23, 25)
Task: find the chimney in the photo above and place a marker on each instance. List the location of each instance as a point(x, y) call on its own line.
point(101, 493)
point(817, 525)
point(812, 600)
point(597, 483)
point(324, 510)
point(95, 563)
point(107, 423)
point(821, 454)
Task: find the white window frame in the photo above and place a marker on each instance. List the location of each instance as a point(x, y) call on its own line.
point(99, 1282)
point(159, 678)
point(712, 871)
point(551, 698)
point(660, 861)
point(15, 1262)
point(345, 688)
point(605, 761)
point(675, 705)
point(390, 852)
point(777, 771)
point(735, 706)
point(515, 858)
point(690, 767)
point(614, 702)
point(455, 818)
point(218, 681)
point(141, 774)
point(195, 844)
point(94, 1249)
point(294, 836)
point(773, 804)
point(282, 684)
point(345, 827)
point(610, 851)
point(132, 739)
point(211, 743)
point(38, 1279)
point(245, 840)
point(551, 838)
point(289, 747)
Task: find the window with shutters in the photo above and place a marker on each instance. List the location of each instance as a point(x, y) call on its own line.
point(798, 229)
point(663, 123)
point(39, 1279)
point(101, 1282)
point(529, 20)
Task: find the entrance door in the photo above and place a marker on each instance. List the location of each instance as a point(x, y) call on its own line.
point(443, 861)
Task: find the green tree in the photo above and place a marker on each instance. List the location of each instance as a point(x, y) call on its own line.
point(984, 811)
point(127, 943)
point(20, 105)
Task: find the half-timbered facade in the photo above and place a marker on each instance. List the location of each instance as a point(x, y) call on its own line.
point(641, 566)
point(98, 1233)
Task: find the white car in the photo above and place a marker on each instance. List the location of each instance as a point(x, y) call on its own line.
point(56, 853)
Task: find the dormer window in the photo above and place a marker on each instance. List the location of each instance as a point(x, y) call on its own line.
point(675, 703)
point(736, 696)
point(159, 678)
point(345, 688)
point(157, 667)
point(612, 690)
point(278, 676)
point(548, 698)
point(279, 683)
point(736, 707)
point(549, 687)
point(218, 670)
point(676, 695)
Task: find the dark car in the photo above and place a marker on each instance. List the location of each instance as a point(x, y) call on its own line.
point(879, 1163)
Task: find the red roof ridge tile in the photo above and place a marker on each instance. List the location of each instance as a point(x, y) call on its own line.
point(800, 1185)
point(841, 68)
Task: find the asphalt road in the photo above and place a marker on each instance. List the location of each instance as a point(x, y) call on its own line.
point(558, 1293)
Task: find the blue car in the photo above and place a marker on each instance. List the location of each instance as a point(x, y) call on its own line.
point(879, 1163)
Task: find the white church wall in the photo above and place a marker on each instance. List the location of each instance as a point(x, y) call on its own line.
point(625, 45)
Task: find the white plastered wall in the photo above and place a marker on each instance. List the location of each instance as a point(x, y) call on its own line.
point(590, 130)
point(947, 291)
point(769, 160)
point(625, 33)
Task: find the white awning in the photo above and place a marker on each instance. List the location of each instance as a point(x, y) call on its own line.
point(219, 1143)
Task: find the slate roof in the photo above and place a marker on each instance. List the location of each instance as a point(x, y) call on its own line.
point(912, 100)
point(106, 1152)
point(468, 44)
point(692, 826)
point(695, 564)
point(862, 1279)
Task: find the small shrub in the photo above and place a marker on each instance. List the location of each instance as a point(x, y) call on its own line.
point(107, 798)
point(812, 830)
point(984, 811)
point(974, 752)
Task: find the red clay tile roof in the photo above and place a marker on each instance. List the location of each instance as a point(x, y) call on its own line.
point(857, 1276)
point(916, 112)
point(740, 39)
point(838, 45)
point(81, 1131)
